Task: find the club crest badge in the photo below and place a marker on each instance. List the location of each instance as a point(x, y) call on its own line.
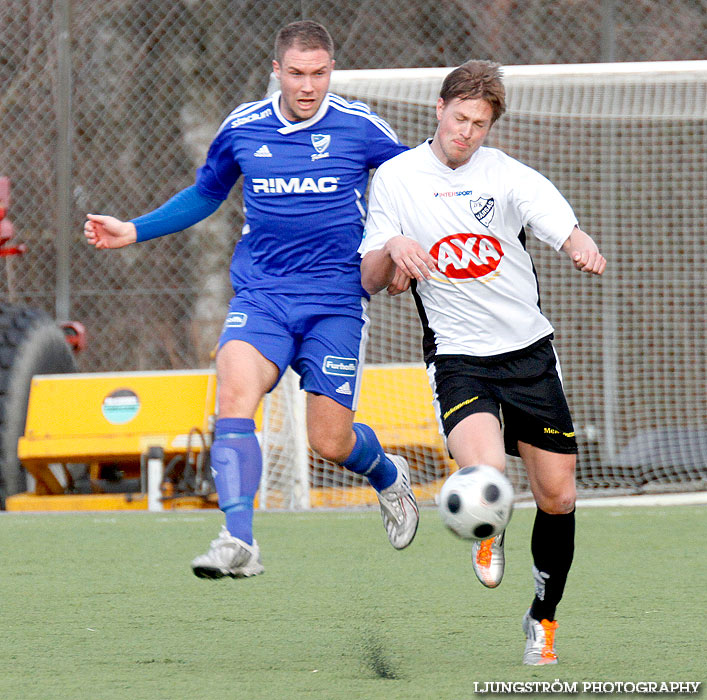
point(321, 142)
point(483, 209)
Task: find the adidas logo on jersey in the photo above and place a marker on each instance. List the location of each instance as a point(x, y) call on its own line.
point(263, 152)
point(345, 388)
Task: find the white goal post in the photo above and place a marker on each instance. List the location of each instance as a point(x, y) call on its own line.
point(626, 143)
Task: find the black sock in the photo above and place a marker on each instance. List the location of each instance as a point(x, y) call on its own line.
point(552, 547)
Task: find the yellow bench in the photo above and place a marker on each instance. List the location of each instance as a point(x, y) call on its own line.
point(117, 417)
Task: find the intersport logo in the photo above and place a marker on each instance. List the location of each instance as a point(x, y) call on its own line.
point(294, 185)
point(467, 255)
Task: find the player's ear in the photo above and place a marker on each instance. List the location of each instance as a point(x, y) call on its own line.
point(276, 68)
point(440, 108)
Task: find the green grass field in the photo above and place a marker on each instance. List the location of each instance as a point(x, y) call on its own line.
point(105, 606)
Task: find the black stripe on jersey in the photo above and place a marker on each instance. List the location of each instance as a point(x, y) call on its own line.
point(429, 341)
point(523, 239)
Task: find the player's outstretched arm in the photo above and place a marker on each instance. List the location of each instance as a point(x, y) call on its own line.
point(182, 211)
point(584, 252)
point(108, 232)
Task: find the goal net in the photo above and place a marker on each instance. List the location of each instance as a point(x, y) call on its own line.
point(627, 145)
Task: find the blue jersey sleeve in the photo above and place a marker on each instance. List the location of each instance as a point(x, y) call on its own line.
point(219, 173)
point(381, 142)
point(185, 209)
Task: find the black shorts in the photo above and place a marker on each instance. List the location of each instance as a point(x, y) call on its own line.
point(522, 388)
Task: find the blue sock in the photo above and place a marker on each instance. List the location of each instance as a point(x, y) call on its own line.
point(368, 458)
point(236, 465)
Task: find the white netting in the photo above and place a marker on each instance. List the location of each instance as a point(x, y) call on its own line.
point(110, 107)
point(627, 146)
point(115, 114)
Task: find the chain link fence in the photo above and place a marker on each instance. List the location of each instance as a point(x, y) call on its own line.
point(109, 108)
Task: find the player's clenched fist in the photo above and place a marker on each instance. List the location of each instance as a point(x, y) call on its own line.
point(584, 252)
point(591, 261)
point(108, 232)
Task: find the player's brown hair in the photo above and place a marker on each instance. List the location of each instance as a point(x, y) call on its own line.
point(306, 35)
point(477, 80)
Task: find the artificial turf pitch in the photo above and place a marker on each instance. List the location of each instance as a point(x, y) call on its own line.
point(105, 606)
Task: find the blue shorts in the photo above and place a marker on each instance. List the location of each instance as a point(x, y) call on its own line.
point(322, 338)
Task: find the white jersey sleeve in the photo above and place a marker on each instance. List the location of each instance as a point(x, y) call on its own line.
point(542, 208)
point(383, 221)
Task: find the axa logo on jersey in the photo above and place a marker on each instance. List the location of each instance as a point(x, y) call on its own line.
point(467, 255)
point(294, 185)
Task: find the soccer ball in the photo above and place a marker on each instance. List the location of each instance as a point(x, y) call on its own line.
point(476, 503)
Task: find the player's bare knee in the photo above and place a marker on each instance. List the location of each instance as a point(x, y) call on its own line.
point(236, 403)
point(558, 503)
point(329, 447)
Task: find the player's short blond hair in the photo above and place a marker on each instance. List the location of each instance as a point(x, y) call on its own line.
point(477, 80)
point(306, 35)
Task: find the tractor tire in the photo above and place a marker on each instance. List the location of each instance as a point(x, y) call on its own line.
point(30, 344)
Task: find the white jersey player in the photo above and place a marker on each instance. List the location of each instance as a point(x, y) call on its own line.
point(451, 217)
point(481, 297)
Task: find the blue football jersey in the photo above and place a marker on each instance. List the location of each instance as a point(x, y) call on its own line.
point(303, 191)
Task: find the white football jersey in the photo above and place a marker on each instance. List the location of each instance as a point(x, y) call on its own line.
point(484, 298)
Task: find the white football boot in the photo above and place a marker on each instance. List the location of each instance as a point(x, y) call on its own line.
point(228, 556)
point(540, 645)
point(398, 506)
point(489, 560)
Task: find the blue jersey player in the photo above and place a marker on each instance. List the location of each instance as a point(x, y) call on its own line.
point(304, 157)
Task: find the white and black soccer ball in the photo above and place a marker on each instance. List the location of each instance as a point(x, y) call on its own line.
point(476, 503)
